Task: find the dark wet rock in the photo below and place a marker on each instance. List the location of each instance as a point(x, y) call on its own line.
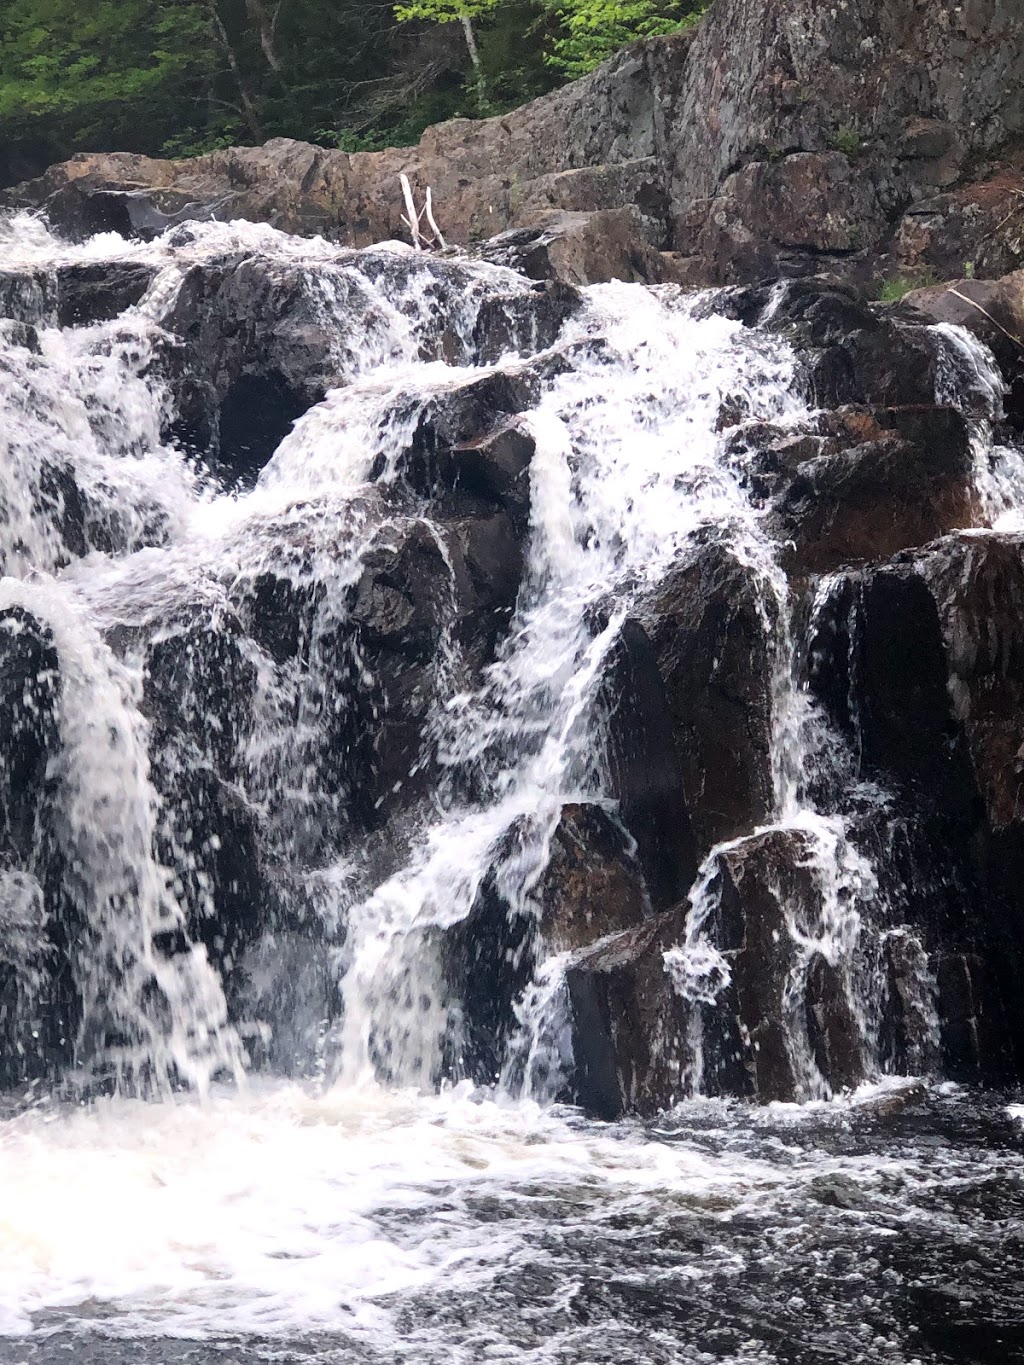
point(28, 296)
point(34, 1014)
point(492, 469)
point(851, 352)
point(908, 1043)
point(90, 292)
point(465, 441)
point(198, 697)
point(522, 323)
point(592, 886)
point(429, 600)
point(711, 625)
point(841, 1192)
point(644, 768)
point(29, 692)
point(257, 336)
point(768, 897)
point(893, 1099)
point(630, 1025)
point(928, 645)
point(778, 1022)
point(81, 210)
point(288, 993)
point(994, 311)
point(899, 478)
point(589, 888)
point(261, 341)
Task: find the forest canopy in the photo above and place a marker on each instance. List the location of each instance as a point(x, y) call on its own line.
point(178, 77)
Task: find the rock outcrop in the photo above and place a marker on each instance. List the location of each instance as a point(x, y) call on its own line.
point(882, 139)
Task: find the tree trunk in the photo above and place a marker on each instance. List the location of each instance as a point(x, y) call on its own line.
point(249, 114)
point(474, 51)
point(479, 81)
point(266, 25)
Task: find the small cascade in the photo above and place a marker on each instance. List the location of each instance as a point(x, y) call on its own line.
point(442, 669)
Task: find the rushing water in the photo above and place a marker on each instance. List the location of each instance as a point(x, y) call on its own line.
point(334, 1216)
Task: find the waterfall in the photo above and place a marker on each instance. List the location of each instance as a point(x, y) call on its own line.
point(136, 561)
point(418, 729)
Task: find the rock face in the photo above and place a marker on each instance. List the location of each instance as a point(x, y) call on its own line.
point(993, 310)
point(773, 140)
point(928, 643)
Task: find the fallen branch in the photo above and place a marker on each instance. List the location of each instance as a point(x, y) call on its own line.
point(413, 219)
point(985, 313)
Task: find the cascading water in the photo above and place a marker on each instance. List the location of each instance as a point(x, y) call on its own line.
point(225, 892)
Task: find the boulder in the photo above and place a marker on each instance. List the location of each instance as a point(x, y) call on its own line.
point(631, 1027)
point(711, 624)
point(258, 341)
point(994, 311)
point(592, 886)
point(29, 698)
point(581, 248)
point(785, 1021)
point(589, 888)
point(856, 499)
point(926, 648)
point(28, 296)
point(38, 1007)
point(98, 291)
point(645, 773)
point(737, 995)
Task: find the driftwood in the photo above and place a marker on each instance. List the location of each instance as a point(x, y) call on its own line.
point(414, 218)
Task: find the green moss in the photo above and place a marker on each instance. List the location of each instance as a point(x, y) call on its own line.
point(847, 140)
point(894, 288)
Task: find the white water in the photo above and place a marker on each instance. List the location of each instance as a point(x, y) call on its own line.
point(288, 1209)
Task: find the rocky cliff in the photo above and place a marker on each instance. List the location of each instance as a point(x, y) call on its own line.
point(871, 138)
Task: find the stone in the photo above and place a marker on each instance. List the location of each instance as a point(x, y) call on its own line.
point(929, 653)
point(630, 1026)
point(994, 311)
point(711, 624)
point(99, 291)
point(867, 501)
point(491, 470)
point(592, 886)
point(29, 695)
point(581, 248)
point(37, 1008)
point(590, 889)
point(768, 903)
point(644, 768)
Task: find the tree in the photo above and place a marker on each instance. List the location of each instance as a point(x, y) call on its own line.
point(592, 30)
point(448, 12)
point(128, 72)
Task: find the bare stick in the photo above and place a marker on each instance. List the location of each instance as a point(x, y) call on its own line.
point(412, 218)
point(431, 222)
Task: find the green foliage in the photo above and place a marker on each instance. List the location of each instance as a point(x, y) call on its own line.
point(847, 140)
point(592, 30)
point(894, 288)
point(444, 11)
point(115, 71)
point(183, 77)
